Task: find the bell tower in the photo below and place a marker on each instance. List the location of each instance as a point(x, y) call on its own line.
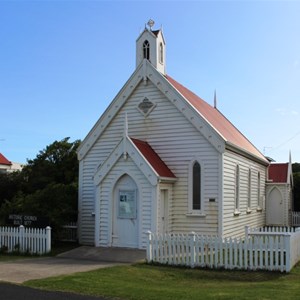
point(151, 45)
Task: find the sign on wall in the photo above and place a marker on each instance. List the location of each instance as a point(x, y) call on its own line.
point(127, 204)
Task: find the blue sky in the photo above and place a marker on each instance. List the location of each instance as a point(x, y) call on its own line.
point(62, 62)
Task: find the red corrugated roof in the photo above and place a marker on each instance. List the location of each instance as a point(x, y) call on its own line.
point(4, 160)
point(153, 159)
point(217, 120)
point(278, 173)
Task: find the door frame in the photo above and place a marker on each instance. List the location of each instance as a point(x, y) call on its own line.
point(269, 204)
point(167, 203)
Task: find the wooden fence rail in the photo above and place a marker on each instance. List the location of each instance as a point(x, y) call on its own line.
point(25, 240)
point(278, 252)
point(295, 217)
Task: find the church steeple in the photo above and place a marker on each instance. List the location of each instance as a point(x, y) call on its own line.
point(151, 45)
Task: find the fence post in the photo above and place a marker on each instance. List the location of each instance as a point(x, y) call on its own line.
point(22, 238)
point(48, 239)
point(192, 246)
point(287, 242)
point(149, 246)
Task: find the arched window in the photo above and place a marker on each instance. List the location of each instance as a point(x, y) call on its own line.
point(237, 187)
point(146, 49)
point(196, 186)
point(249, 189)
point(161, 53)
point(258, 190)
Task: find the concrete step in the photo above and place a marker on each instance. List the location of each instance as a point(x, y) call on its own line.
point(105, 254)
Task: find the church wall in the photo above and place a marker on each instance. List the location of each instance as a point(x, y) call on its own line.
point(234, 223)
point(176, 141)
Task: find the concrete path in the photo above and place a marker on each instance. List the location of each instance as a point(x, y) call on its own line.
point(78, 260)
point(104, 254)
point(20, 271)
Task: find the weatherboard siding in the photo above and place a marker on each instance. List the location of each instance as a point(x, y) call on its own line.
point(234, 223)
point(176, 141)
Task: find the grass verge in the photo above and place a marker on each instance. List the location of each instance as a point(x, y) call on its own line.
point(145, 282)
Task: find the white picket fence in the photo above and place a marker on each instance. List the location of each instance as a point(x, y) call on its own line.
point(295, 216)
point(25, 240)
point(258, 251)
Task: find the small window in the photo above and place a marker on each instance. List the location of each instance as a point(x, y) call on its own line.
point(196, 186)
point(249, 189)
point(146, 50)
point(237, 187)
point(258, 189)
point(161, 53)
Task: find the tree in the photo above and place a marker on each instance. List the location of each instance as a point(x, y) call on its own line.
point(47, 185)
point(10, 183)
point(57, 163)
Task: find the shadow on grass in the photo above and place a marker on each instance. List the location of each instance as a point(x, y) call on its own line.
point(218, 274)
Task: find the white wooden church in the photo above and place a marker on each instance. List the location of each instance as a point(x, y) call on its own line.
point(162, 159)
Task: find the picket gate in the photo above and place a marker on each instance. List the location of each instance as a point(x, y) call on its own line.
point(25, 240)
point(295, 218)
point(272, 251)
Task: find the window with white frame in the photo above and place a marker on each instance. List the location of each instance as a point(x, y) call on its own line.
point(195, 188)
point(237, 188)
point(161, 53)
point(258, 190)
point(249, 190)
point(146, 50)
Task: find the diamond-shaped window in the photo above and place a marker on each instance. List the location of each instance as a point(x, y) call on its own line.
point(146, 106)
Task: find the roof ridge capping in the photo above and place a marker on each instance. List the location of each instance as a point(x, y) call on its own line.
point(229, 132)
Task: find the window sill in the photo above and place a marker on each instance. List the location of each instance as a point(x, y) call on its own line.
point(196, 214)
point(249, 210)
point(236, 213)
point(259, 209)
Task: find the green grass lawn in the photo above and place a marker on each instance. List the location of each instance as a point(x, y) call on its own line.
point(146, 282)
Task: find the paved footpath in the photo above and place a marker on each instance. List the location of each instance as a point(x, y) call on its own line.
point(19, 271)
point(81, 259)
point(15, 292)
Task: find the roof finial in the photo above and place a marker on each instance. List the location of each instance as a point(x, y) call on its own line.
point(150, 24)
point(215, 99)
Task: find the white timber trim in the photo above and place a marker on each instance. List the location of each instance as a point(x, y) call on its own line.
point(137, 157)
point(80, 197)
point(221, 195)
point(97, 217)
point(110, 112)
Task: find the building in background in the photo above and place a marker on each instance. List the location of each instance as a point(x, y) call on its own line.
point(7, 166)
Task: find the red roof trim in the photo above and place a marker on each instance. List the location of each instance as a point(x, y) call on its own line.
point(217, 120)
point(278, 173)
point(153, 159)
point(4, 160)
